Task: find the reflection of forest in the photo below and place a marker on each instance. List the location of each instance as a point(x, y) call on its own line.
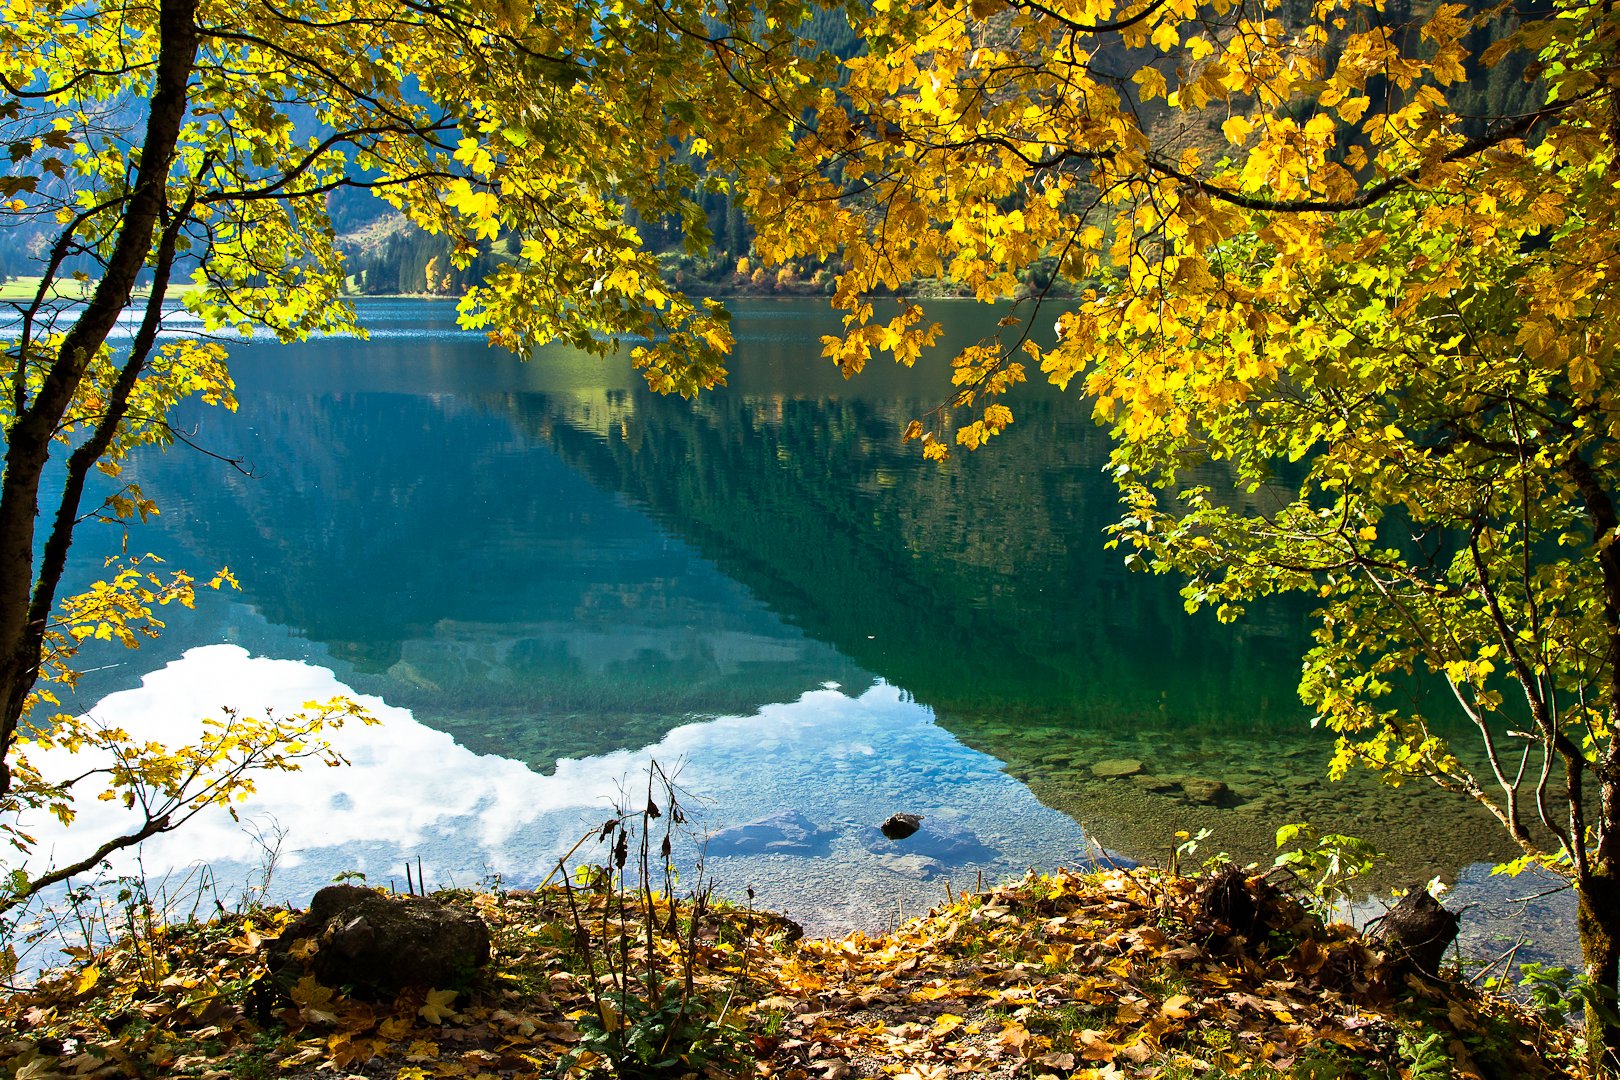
point(985, 591)
point(982, 585)
point(466, 533)
point(477, 580)
point(412, 531)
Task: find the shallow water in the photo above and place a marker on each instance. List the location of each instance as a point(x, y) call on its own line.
point(545, 575)
point(412, 793)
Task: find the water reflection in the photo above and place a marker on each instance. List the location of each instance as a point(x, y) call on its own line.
point(547, 562)
point(413, 495)
point(841, 761)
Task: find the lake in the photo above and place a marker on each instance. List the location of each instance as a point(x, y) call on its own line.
point(541, 576)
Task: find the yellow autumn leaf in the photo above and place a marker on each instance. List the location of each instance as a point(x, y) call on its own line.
point(1236, 128)
point(1093, 1047)
point(1175, 1007)
point(1151, 82)
point(314, 1001)
point(1352, 109)
point(439, 1007)
point(422, 1050)
point(1015, 1037)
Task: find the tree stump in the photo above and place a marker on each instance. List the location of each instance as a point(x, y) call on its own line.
point(1227, 906)
point(1417, 931)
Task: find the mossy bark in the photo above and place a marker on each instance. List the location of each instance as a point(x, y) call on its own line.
point(1598, 918)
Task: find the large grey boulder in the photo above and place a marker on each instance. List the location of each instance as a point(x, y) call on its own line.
point(786, 833)
point(378, 943)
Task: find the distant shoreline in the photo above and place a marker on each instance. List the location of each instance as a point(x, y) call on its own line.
point(23, 289)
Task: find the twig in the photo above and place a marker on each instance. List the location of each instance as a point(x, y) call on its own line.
point(1555, 890)
point(1507, 957)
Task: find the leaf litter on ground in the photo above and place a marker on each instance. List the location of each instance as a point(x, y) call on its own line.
point(1088, 976)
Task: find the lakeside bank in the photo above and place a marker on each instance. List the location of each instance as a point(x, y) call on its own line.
point(1085, 976)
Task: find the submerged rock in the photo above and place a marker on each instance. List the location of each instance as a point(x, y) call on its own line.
point(1207, 792)
point(1116, 767)
point(917, 867)
point(786, 833)
point(900, 826)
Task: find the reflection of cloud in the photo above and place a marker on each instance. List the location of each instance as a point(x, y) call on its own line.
point(406, 786)
point(412, 792)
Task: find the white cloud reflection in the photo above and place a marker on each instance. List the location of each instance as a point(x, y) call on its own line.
point(412, 792)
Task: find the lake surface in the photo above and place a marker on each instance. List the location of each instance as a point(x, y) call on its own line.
point(543, 576)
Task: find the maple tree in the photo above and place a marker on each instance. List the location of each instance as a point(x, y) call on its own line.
point(1349, 321)
point(175, 158)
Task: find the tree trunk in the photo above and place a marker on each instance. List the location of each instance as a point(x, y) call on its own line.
point(29, 439)
point(1598, 919)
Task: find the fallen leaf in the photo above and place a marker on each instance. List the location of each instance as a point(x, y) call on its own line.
point(1014, 1036)
point(314, 1001)
point(439, 1007)
point(1096, 1048)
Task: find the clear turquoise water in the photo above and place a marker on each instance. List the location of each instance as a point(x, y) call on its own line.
point(546, 574)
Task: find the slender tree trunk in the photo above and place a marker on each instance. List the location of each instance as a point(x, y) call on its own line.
point(29, 441)
point(1595, 844)
point(1597, 892)
point(1598, 918)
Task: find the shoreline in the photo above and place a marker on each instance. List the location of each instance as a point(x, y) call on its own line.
point(1104, 974)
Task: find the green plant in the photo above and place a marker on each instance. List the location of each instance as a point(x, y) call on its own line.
point(1167, 982)
point(1427, 1058)
point(1185, 849)
point(1550, 988)
point(771, 1021)
point(1062, 1023)
point(254, 1063)
point(1557, 992)
point(1327, 864)
point(1198, 1070)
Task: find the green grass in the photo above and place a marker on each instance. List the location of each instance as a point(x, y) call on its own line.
point(24, 288)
